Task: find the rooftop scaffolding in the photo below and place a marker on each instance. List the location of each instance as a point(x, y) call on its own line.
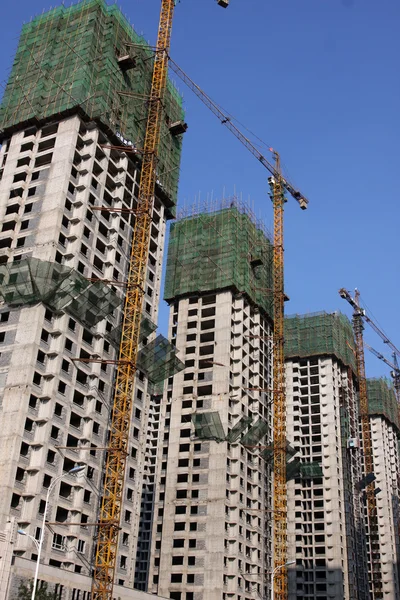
point(319, 334)
point(87, 59)
point(382, 400)
point(221, 249)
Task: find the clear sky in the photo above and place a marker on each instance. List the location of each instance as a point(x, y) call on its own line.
point(319, 81)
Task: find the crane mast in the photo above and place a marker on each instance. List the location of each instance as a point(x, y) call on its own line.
point(110, 511)
point(358, 327)
point(279, 582)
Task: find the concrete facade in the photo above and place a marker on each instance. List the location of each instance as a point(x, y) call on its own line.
point(384, 435)
point(212, 535)
point(326, 534)
point(51, 177)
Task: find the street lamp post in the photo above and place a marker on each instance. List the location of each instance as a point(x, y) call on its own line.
point(34, 540)
point(289, 562)
point(40, 544)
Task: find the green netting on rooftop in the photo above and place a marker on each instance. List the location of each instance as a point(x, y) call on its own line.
point(222, 249)
point(158, 360)
point(208, 426)
point(319, 334)
point(61, 288)
point(67, 59)
point(382, 399)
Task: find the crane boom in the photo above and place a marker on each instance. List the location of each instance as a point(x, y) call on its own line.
point(226, 120)
point(358, 327)
point(381, 357)
point(278, 185)
point(110, 512)
point(395, 373)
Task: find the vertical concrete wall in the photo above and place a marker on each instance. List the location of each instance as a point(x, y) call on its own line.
point(50, 179)
point(322, 526)
point(386, 470)
point(212, 535)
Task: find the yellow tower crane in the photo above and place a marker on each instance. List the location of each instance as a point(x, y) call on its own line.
point(278, 185)
point(110, 511)
point(358, 327)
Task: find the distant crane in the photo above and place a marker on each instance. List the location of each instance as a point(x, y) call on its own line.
point(278, 185)
point(358, 326)
point(395, 372)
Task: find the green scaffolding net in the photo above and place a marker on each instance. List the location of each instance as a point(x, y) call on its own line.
point(299, 470)
point(158, 360)
point(268, 453)
point(61, 288)
point(318, 334)
point(86, 58)
point(382, 400)
point(255, 434)
point(146, 328)
point(223, 249)
point(238, 429)
point(208, 426)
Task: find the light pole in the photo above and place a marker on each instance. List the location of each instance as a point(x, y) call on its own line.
point(289, 562)
point(34, 540)
point(51, 486)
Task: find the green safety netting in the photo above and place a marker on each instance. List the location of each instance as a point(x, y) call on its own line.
point(158, 360)
point(67, 61)
point(255, 433)
point(382, 400)
point(146, 328)
point(296, 469)
point(311, 470)
point(221, 249)
point(268, 453)
point(238, 429)
point(319, 334)
point(208, 426)
point(61, 288)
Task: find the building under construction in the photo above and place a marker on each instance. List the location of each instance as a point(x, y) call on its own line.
point(72, 125)
point(328, 536)
point(205, 480)
point(212, 537)
point(384, 419)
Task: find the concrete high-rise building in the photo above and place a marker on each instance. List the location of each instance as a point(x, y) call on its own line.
point(326, 532)
point(384, 418)
point(67, 208)
point(212, 526)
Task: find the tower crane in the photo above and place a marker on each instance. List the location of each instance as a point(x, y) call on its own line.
point(110, 510)
point(358, 326)
point(278, 186)
point(395, 372)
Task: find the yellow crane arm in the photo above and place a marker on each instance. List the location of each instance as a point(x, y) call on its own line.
point(110, 512)
point(227, 121)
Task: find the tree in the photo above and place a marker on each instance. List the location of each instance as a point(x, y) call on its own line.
point(25, 591)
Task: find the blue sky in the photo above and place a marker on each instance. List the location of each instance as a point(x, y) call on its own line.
point(319, 81)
